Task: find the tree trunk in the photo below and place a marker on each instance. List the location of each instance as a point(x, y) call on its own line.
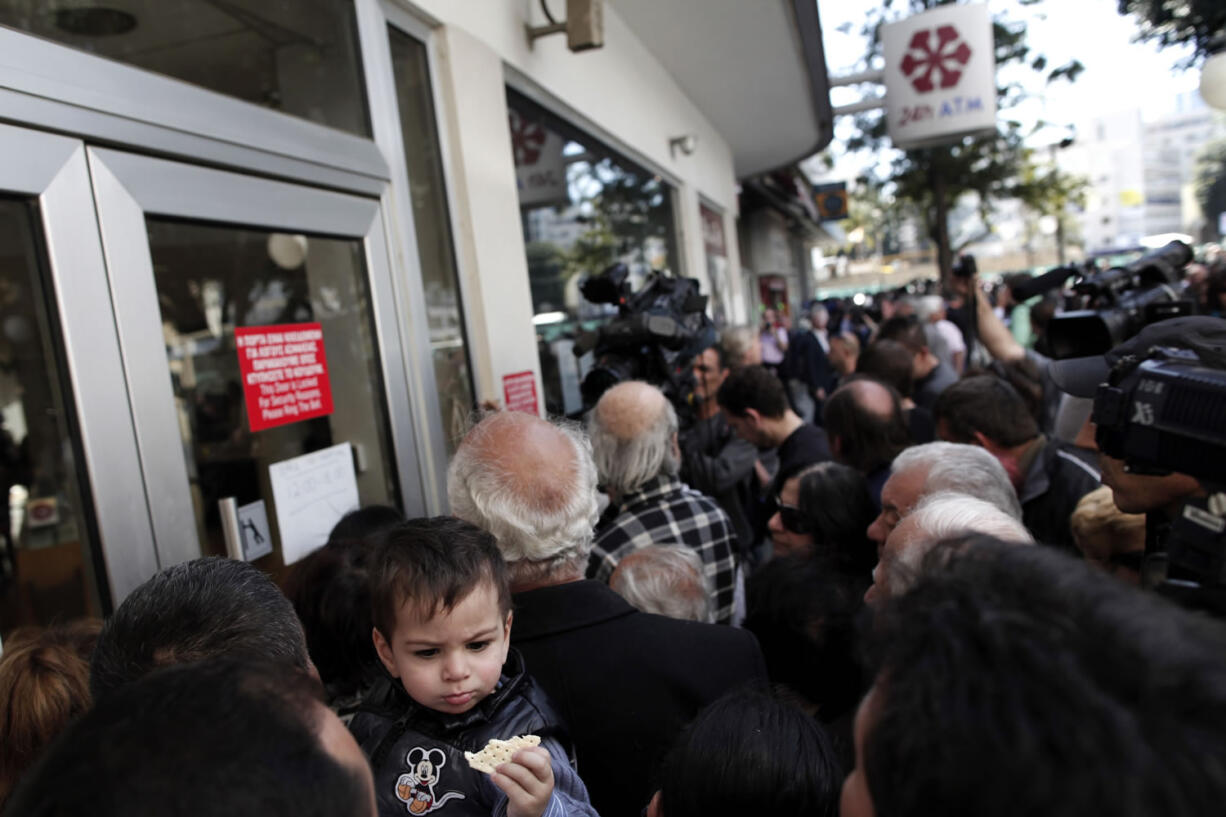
point(1060, 237)
point(940, 229)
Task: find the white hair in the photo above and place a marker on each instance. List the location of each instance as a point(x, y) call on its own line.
point(625, 465)
point(928, 305)
point(534, 531)
point(668, 580)
point(961, 469)
point(945, 516)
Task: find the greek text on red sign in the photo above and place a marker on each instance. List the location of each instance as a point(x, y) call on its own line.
point(284, 372)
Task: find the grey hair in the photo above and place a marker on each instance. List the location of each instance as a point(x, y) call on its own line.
point(535, 534)
point(945, 516)
point(819, 309)
point(961, 469)
point(736, 342)
point(626, 465)
point(668, 580)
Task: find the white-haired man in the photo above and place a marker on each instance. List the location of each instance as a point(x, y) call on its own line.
point(532, 484)
point(667, 580)
point(634, 442)
point(940, 467)
point(936, 518)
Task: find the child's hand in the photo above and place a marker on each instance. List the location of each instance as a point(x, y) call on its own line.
point(527, 781)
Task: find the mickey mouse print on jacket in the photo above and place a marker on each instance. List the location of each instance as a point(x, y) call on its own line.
point(415, 788)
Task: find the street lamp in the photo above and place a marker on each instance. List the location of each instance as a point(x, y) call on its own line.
point(1213, 81)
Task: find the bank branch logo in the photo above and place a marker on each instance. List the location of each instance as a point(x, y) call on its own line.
point(946, 60)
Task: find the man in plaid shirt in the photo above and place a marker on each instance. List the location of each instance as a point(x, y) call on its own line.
point(634, 442)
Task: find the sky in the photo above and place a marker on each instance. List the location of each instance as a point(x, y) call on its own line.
point(1119, 73)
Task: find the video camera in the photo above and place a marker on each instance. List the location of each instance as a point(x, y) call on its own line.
point(1163, 410)
point(1115, 303)
point(658, 331)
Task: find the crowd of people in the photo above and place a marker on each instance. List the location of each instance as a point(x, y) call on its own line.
point(883, 571)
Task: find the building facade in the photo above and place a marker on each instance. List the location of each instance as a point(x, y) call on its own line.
point(263, 259)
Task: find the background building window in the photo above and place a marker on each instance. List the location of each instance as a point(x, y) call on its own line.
point(583, 208)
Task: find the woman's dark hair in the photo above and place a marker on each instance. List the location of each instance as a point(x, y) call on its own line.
point(835, 503)
point(750, 753)
point(330, 591)
point(1004, 658)
point(804, 614)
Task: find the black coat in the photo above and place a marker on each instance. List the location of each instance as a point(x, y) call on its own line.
point(417, 754)
point(625, 681)
point(1057, 480)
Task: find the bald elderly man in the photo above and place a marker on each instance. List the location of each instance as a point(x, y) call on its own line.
point(532, 484)
point(634, 442)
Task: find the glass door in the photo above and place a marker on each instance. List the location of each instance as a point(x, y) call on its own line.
point(74, 525)
point(262, 343)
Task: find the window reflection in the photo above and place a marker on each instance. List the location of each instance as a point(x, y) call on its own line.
point(583, 207)
point(296, 56)
point(211, 279)
point(48, 567)
point(440, 278)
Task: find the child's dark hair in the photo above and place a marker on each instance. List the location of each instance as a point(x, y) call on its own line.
point(751, 753)
point(433, 564)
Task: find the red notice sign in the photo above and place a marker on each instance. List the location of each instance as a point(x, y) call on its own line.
point(519, 392)
point(285, 373)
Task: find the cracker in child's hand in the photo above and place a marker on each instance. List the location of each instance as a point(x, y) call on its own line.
point(497, 752)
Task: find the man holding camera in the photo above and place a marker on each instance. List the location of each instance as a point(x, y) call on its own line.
point(1147, 429)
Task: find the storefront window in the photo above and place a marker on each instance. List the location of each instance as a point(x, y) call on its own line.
point(48, 568)
point(583, 208)
point(716, 248)
point(293, 56)
point(434, 245)
point(215, 283)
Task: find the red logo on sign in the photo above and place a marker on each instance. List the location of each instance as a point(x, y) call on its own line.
point(946, 59)
point(527, 138)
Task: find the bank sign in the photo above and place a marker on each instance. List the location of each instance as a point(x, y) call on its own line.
point(940, 76)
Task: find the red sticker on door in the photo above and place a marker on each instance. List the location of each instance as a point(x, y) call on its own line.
point(519, 392)
point(285, 373)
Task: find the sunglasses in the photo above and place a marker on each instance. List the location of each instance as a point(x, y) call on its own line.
point(791, 517)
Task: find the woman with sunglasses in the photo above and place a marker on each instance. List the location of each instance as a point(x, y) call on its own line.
point(826, 508)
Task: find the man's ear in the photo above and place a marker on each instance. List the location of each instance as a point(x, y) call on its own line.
point(384, 650)
point(754, 416)
point(983, 441)
point(506, 628)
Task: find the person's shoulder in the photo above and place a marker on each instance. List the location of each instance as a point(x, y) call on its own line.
point(1081, 465)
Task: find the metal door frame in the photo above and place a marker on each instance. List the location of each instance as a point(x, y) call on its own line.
point(53, 170)
point(128, 187)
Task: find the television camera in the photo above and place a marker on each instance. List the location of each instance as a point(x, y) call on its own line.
point(657, 333)
point(1114, 304)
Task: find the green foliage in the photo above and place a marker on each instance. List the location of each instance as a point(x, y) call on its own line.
point(1200, 24)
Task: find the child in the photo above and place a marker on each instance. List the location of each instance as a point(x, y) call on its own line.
point(441, 607)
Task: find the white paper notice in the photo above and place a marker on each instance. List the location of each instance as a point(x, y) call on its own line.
point(311, 494)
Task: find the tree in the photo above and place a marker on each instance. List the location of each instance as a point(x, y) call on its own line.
point(988, 165)
point(1210, 185)
point(1200, 24)
point(1049, 191)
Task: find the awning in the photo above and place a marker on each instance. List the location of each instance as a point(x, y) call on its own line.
point(755, 68)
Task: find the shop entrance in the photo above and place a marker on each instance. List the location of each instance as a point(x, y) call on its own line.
point(178, 343)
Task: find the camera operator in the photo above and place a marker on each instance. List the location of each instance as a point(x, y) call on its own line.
point(714, 459)
point(1152, 431)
